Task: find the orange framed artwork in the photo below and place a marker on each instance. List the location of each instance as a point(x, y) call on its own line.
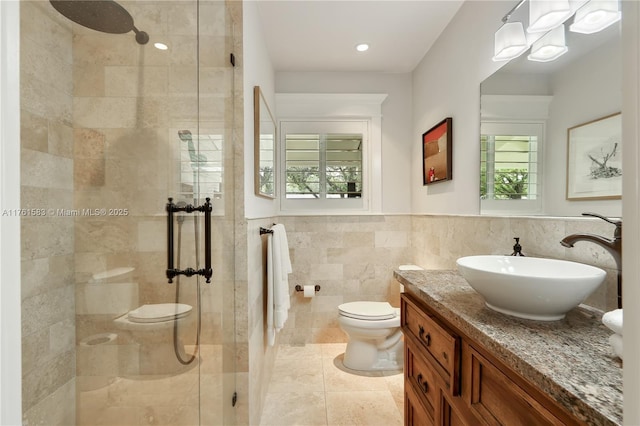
point(436, 153)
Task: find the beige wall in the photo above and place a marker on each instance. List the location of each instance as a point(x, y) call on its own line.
point(48, 308)
point(353, 258)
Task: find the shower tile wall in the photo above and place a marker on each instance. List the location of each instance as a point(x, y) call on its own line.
point(99, 121)
point(130, 101)
point(48, 309)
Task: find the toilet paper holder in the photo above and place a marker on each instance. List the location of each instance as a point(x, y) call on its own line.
point(300, 288)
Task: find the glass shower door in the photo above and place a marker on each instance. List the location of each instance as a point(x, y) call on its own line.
point(134, 123)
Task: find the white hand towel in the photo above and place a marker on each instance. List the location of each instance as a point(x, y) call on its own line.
point(281, 270)
point(615, 340)
point(613, 321)
point(278, 270)
point(271, 331)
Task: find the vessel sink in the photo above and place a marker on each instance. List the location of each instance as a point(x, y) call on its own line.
point(530, 287)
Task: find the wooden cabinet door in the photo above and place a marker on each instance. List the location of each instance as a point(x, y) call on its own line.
point(415, 411)
point(497, 400)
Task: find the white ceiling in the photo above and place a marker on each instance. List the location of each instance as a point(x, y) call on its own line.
point(312, 35)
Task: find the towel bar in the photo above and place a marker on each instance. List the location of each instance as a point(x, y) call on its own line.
point(265, 231)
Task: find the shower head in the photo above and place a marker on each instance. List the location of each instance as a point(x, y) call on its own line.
point(184, 135)
point(196, 159)
point(106, 16)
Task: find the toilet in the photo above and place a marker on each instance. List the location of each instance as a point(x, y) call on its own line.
point(149, 331)
point(138, 338)
point(375, 338)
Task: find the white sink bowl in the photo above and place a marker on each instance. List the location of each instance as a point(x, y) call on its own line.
point(530, 287)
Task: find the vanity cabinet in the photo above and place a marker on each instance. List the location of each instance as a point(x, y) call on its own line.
point(452, 380)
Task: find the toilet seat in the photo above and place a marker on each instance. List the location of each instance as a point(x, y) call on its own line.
point(368, 311)
point(159, 312)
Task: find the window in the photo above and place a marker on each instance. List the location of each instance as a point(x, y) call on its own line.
point(323, 164)
point(509, 166)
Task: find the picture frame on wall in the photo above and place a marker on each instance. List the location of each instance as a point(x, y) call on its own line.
point(437, 153)
point(594, 159)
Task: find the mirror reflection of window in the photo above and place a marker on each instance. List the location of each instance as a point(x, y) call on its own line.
point(265, 142)
point(267, 160)
point(509, 157)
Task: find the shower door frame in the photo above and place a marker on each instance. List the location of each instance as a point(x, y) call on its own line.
point(10, 301)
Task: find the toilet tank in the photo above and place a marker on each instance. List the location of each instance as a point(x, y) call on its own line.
point(111, 292)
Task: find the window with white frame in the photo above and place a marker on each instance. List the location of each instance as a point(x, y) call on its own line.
point(331, 142)
point(324, 164)
point(510, 158)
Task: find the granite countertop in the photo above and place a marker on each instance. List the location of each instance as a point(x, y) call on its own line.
point(569, 359)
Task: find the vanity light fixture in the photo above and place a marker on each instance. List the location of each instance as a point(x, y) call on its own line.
point(362, 47)
point(596, 16)
point(545, 15)
point(510, 41)
point(160, 46)
point(549, 47)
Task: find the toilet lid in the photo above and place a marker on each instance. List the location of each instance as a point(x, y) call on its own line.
point(159, 312)
point(368, 310)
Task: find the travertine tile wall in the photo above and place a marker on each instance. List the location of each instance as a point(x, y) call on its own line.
point(353, 257)
point(100, 116)
point(261, 356)
point(130, 101)
point(439, 240)
point(48, 309)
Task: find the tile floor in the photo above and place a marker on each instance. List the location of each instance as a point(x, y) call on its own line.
point(310, 386)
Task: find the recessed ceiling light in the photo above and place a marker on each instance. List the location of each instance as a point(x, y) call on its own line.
point(160, 46)
point(362, 47)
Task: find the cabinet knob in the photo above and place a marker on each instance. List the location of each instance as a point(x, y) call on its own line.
point(425, 337)
point(424, 385)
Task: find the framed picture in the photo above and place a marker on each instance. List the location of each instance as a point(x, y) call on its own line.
point(436, 153)
point(594, 159)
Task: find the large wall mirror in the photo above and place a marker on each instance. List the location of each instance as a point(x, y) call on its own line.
point(264, 146)
point(533, 114)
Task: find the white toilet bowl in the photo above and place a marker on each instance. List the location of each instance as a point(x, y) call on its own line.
point(375, 338)
point(149, 329)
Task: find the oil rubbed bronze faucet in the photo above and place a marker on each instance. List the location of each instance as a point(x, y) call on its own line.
point(613, 246)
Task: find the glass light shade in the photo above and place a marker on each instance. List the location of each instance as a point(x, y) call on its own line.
point(549, 47)
point(596, 16)
point(510, 41)
point(545, 15)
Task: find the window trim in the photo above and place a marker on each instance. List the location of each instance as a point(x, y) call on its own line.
point(337, 107)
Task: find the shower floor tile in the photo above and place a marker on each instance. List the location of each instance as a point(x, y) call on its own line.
point(319, 390)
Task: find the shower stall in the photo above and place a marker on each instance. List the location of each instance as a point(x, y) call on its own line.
point(123, 106)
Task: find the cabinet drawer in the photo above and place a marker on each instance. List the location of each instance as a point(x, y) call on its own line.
point(419, 374)
point(440, 343)
point(416, 412)
point(498, 400)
